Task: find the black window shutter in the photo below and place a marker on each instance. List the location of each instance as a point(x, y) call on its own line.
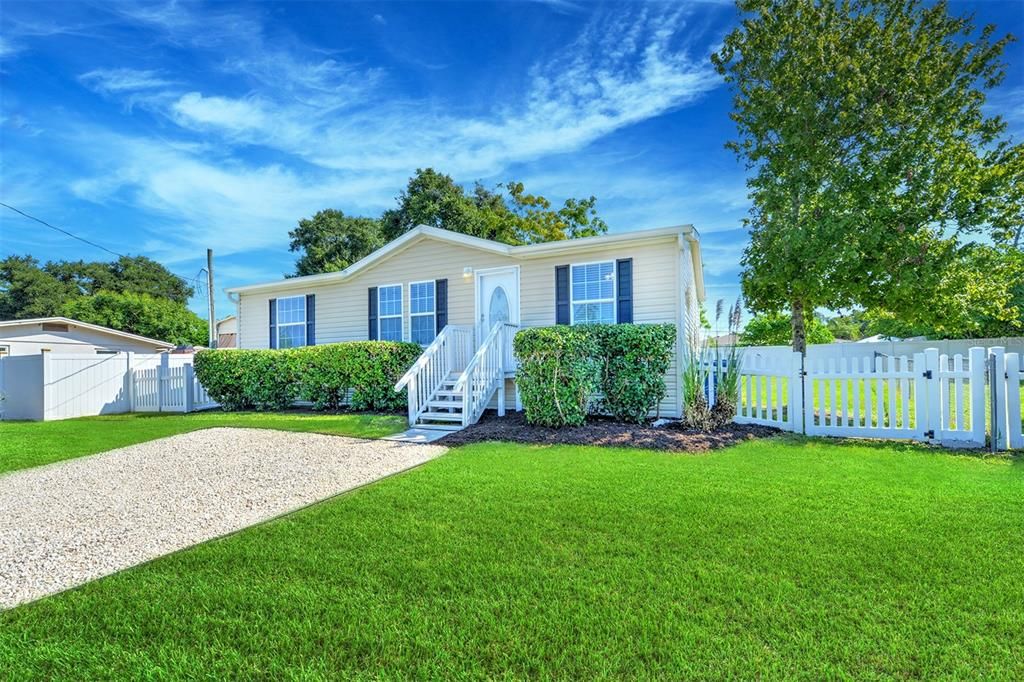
point(624, 302)
point(273, 323)
point(372, 333)
point(310, 319)
point(441, 304)
point(561, 294)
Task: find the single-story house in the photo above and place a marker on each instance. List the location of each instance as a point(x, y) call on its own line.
point(227, 332)
point(450, 292)
point(64, 335)
point(22, 342)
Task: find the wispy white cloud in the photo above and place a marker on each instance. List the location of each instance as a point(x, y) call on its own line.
point(123, 80)
point(621, 71)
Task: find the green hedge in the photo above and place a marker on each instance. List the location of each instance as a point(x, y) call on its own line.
point(563, 369)
point(558, 374)
point(368, 368)
point(323, 375)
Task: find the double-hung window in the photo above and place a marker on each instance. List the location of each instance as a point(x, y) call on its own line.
point(291, 322)
point(593, 293)
point(422, 312)
point(389, 312)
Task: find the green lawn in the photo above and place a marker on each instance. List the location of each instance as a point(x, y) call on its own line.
point(28, 444)
point(787, 557)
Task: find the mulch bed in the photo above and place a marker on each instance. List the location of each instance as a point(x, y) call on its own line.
point(607, 432)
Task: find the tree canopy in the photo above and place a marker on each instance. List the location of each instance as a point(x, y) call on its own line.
point(774, 329)
point(872, 158)
point(332, 241)
point(132, 294)
point(139, 313)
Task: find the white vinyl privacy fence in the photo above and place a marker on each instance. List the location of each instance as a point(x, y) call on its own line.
point(957, 400)
point(53, 386)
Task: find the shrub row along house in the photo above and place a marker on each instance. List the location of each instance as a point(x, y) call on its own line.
point(463, 299)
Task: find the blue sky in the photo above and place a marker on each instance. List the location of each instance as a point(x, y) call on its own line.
point(164, 129)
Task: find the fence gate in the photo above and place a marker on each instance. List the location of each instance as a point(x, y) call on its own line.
point(927, 396)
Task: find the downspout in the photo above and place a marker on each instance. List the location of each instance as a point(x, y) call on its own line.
point(236, 298)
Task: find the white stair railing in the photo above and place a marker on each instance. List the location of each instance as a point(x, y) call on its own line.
point(485, 373)
point(449, 352)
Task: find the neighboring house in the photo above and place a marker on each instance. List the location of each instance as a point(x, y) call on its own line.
point(64, 335)
point(227, 332)
point(430, 279)
point(21, 344)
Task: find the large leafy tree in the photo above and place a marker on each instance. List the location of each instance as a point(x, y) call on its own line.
point(137, 274)
point(26, 290)
point(871, 156)
point(139, 313)
point(506, 213)
point(331, 241)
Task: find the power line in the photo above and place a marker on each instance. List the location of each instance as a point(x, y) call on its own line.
point(193, 282)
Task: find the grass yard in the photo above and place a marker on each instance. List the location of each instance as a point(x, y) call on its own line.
point(786, 557)
point(29, 444)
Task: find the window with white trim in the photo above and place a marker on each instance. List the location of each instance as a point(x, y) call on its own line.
point(593, 293)
point(291, 322)
point(389, 312)
point(422, 312)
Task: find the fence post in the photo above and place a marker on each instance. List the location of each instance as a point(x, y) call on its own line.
point(129, 372)
point(796, 392)
point(47, 375)
point(976, 357)
point(189, 387)
point(161, 380)
point(998, 382)
point(933, 390)
point(1014, 434)
point(920, 398)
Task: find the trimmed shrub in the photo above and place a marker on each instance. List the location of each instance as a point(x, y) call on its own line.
point(635, 358)
point(558, 374)
point(368, 368)
point(248, 379)
point(562, 371)
point(323, 375)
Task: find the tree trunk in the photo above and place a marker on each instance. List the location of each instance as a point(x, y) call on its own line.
point(799, 330)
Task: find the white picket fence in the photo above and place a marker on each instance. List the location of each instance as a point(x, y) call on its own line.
point(52, 386)
point(927, 396)
point(169, 387)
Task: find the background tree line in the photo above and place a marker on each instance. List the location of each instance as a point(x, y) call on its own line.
point(133, 294)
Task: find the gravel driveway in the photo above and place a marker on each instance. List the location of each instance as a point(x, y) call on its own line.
point(67, 523)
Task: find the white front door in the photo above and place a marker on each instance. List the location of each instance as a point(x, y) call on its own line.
point(497, 298)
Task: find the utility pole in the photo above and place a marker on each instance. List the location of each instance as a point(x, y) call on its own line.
point(209, 297)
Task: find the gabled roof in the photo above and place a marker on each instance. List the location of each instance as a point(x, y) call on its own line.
point(86, 325)
point(525, 251)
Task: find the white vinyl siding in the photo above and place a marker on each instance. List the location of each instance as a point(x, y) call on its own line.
point(592, 293)
point(422, 312)
point(389, 312)
point(341, 306)
point(291, 322)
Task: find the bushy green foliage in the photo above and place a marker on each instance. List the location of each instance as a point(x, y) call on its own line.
point(775, 329)
point(142, 314)
point(324, 375)
point(634, 360)
point(249, 379)
point(559, 373)
point(562, 369)
point(368, 368)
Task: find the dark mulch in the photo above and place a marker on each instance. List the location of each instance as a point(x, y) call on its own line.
point(608, 432)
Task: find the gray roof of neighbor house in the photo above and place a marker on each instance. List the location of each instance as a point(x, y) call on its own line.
point(686, 232)
point(85, 325)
